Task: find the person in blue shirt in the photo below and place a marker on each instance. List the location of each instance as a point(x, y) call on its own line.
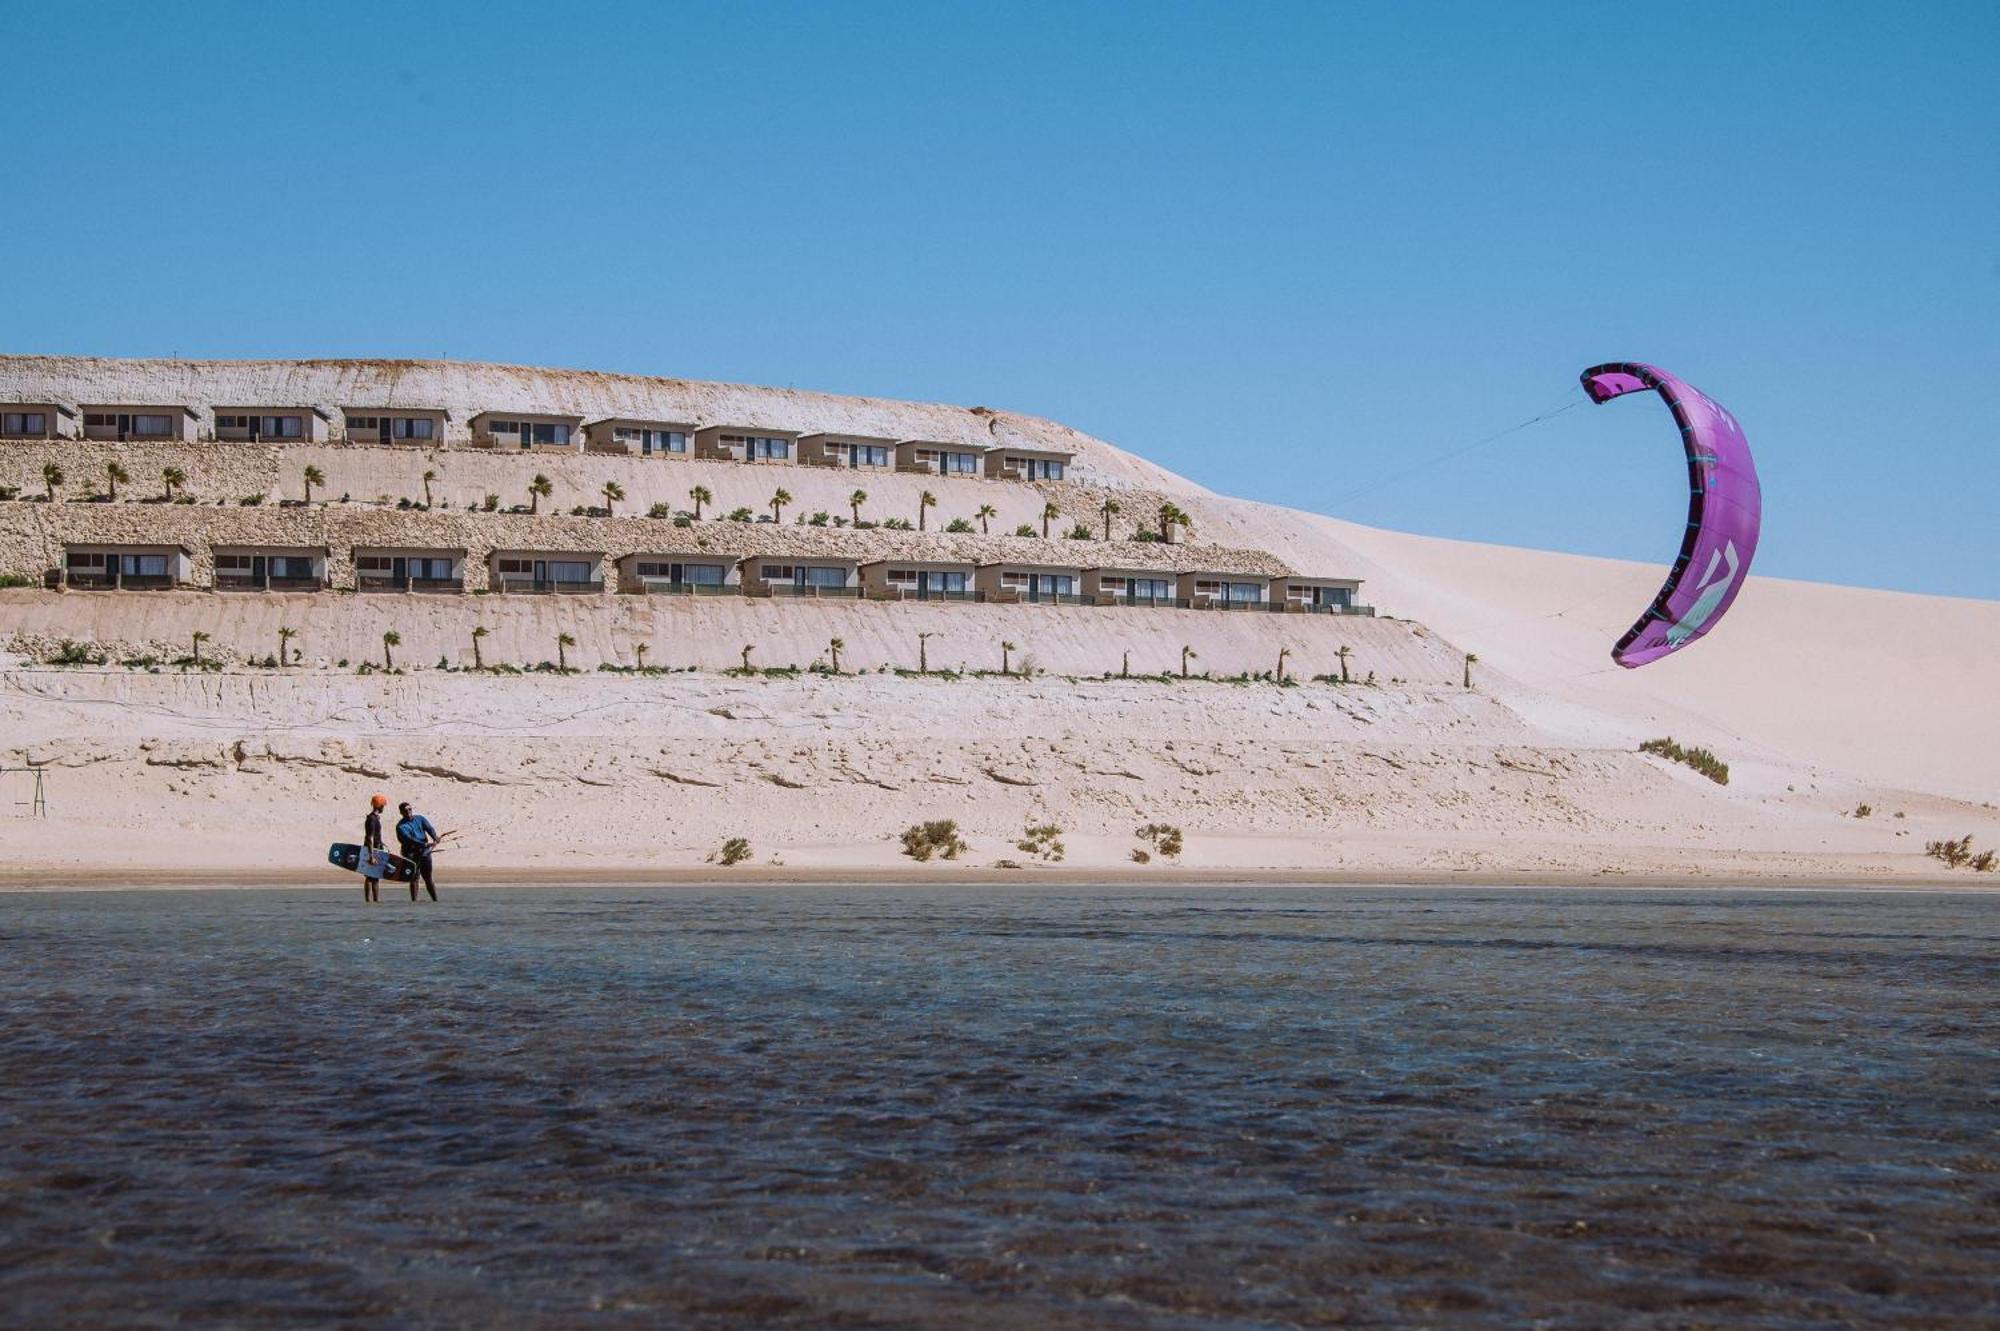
point(416, 836)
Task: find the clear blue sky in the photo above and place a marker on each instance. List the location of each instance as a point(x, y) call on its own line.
point(1289, 251)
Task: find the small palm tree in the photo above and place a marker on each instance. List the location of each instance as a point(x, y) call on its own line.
point(563, 642)
point(52, 476)
point(833, 649)
point(1471, 659)
point(613, 492)
point(924, 653)
point(1343, 653)
point(538, 489)
point(854, 503)
point(390, 641)
point(1188, 654)
point(199, 639)
point(748, 648)
point(1007, 650)
point(1169, 515)
point(925, 503)
point(172, 478)
point(986, 511)
point(285, 636)
point(779, 498)
point(1109, 508)
point(639, 650)
point(701, 496)
point(114, 473)
point(1283, 652)
point(478, 659)
point(429, 476)
point(314, 476)
point(1050, 512)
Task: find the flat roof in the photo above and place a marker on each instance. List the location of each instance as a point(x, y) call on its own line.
point(134, 406)
point(390, 411)
point(53, 406)
point(1025, 449)
point(510, 414)
point(769, 430)
point(857, 438)
point(234, 408)
point(922, 563)
point(636, 420)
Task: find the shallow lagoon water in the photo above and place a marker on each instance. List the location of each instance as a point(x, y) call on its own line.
point(1001, 1106)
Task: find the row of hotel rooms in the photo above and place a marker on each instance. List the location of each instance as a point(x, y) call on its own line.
point(513, 430)
point(156, 568)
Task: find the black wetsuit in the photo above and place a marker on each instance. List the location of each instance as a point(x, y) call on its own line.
point(371, 839)
point(413, 835)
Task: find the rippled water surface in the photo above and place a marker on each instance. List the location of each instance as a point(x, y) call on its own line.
point(1000, 1107)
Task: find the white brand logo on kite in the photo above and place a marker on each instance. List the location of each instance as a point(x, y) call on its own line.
point(1711, 596)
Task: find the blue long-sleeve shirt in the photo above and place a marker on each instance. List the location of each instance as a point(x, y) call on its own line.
point(415, 833)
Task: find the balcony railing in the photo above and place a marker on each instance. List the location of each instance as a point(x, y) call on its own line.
point(545, 586)
point(1310, 608)
point(931, 594)
point(810, 592)
point(84, 581)
point(1146, 602)
point(244, 582)
point(383, 582)
point(668, 587)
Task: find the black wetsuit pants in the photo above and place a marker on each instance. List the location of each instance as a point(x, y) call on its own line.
point(421, 857)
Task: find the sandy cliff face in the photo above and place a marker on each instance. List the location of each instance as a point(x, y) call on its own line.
point(1821, 698)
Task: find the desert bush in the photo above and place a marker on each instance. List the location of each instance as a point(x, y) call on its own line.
point(1166, 839)
point(1701, 760)
point(1959, 854)
point(1082, 531)
point(740, 515)
point(1044, 840)
point(1146, 536)
point(661, 511)
point(1140, 856)
point(250, 501)
point(76, 653)
point(15, 580)
point(1863, 810)
point(938, 838)
point(959, 525)
point(10, 492)
point(1026, 529)
point(490, 504)
point(731, 853)
point(819, 519)
point(897, 524)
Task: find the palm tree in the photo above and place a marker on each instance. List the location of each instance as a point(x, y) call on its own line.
point(478, 660)
point(1007, 650)
point(173, 478)
point(1188, 654)
point(639, 650)
point(285, 636)
point(1344, 652)
point(115, 473)
point(925, 502)
point(924, 653)
point(314, 476)
point(563, 640)
point(701, 496)
point(1109, 508)
point(538, 489)
point(52, 476)
point(854, 503)
point(748, 648)
point(613, 492)
point(1169, 515)
point(986, 511)
point(1283, 652)
point(199, 639)
point(390, 641)
point(779, 498)
point(429, 476)
point(833, 649)
point(1050, 512)
point(1471, 659)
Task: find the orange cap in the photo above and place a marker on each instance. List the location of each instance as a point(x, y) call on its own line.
point(380, 801)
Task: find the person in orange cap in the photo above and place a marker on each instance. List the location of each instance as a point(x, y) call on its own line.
point(371, 839)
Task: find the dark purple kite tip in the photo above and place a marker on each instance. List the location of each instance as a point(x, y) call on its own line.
point(1725, 513)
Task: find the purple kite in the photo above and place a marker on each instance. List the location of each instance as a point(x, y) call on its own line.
point(1725, 511)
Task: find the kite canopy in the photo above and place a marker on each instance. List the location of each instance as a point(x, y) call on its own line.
point(1725, 512)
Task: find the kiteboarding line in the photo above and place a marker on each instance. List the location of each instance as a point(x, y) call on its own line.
point(1547, 414)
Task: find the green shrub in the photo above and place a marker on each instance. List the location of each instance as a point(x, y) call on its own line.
point(1044, 840)
point(1026, 529)
point(1082, 531)
point(1146, 537)
point(77, 653)
point(1864, 810)
point(1960, 855)
point(740, 515)
point(958, 525)
point(1140, 857)
point(939, 838)
point(819, 519)
point(490, 504)
point(896, 524)
point(15, 580)
point(1166, 839)
point(1701, 760)
point(660, 511)
point(251, 501)
point(732, 852)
